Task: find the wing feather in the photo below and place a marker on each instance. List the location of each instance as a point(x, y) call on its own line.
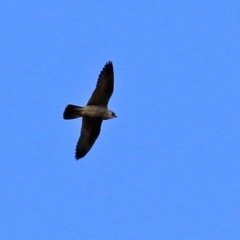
point(104, 87)
point(89, 133)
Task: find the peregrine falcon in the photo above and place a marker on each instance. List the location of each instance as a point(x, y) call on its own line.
point(94, 112)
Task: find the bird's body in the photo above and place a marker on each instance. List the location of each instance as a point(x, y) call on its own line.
point(94, 112)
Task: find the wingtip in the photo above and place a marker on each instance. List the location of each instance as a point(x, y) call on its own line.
point(109, 63)
point(108, 67)
point(79, 154)
point(76, 158)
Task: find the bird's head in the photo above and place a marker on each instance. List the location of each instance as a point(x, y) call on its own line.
point(111, 114)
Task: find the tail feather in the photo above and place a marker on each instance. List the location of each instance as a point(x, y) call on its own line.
point(72, 111)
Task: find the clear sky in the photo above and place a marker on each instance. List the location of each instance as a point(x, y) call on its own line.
point(168, 167)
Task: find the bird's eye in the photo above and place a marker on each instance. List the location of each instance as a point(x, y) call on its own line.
point(113, 114)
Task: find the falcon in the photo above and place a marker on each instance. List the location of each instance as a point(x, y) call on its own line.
point(94, 112)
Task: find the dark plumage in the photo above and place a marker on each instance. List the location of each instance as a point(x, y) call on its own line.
point(94, 112)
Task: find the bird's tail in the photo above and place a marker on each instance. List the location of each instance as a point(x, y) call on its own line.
point(72, 111)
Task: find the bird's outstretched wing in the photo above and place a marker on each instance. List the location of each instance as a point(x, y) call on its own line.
point(89, 133)
point(104, 88)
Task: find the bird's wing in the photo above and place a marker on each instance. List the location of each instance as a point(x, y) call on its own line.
point(90, 130)
point(104, 88)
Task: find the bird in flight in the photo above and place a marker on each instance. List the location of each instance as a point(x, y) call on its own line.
point(94, 112)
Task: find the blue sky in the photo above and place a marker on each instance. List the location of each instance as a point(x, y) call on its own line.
point(168, 167)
